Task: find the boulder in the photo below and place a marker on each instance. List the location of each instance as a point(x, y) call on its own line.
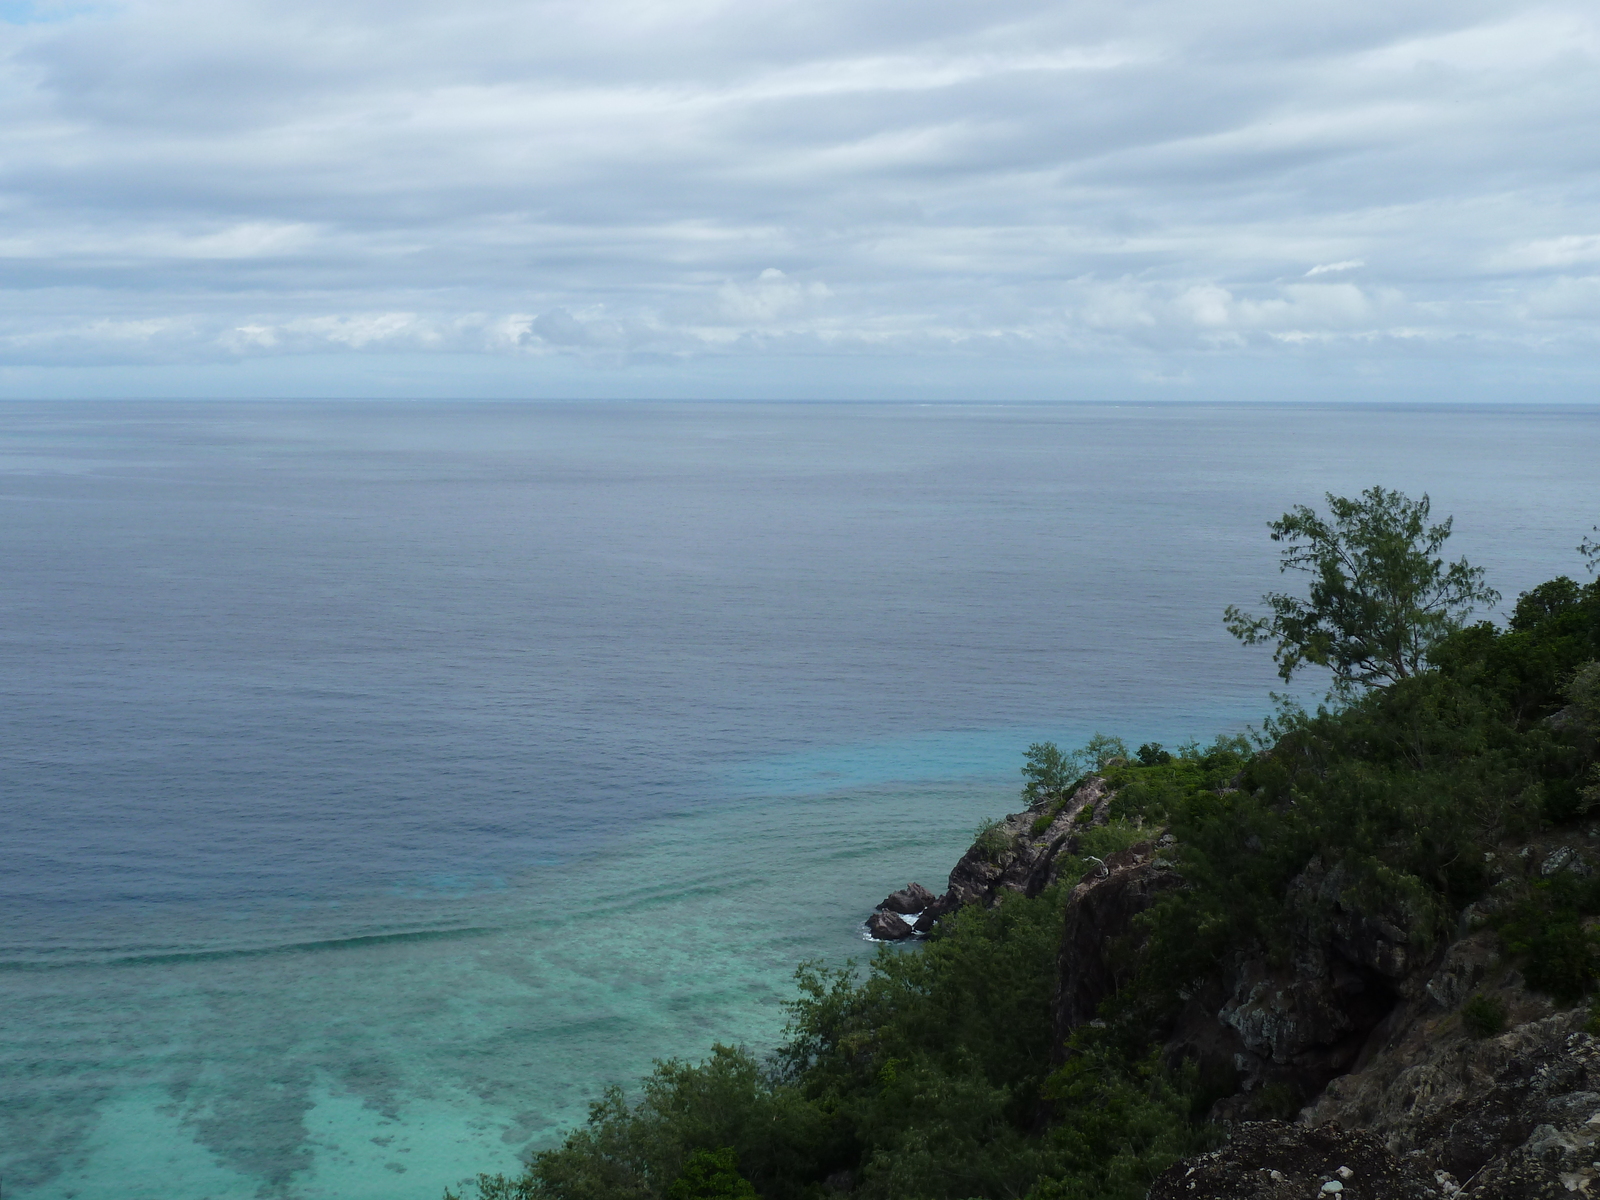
point(912, 899)
point(888, 927)
point(930, 915)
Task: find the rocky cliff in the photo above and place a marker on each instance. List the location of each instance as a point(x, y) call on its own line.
point(1021, 853)
point(1359, 1034)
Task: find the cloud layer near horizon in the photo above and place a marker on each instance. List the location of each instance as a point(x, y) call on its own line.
point(1152, 191)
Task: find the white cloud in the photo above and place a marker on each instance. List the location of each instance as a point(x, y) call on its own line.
point(1348, 264)
point(1548, 253)
point(185, 181)
point(772, 295)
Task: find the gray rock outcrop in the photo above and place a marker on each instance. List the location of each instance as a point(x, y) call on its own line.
point(1022, 853)
point(909, 900)
point(888, 926)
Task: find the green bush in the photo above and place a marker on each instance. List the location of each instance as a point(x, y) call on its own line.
point(991, 840)
point(712, 1175)
point(1483, 1016)
point(1045, 819)
point(1561, 962)
point(1152, 755)
point(1546, 931)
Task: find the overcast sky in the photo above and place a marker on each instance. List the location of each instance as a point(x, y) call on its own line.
point(878, 198)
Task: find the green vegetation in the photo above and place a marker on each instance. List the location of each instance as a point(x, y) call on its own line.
point(937, 1074)
point(1152, 755)
point(711, 1175)
point(1053, 775)
point(1381, 597)
point(1483, 1016)
point(991, 839)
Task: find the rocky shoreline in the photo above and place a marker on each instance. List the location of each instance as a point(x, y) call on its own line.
point(1024, 855)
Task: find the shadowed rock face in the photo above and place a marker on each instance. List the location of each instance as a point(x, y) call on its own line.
point(1359, 1016)
point(1016, 860)
point(1100, 912)
point(1021, 860)
point(1295, 1025)
point(1511, 1116)
point(1508, 1117)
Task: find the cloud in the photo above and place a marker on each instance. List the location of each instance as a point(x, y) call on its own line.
point(704, 183)
point(1547, 253)
point(771, 296)
point(1348, 264)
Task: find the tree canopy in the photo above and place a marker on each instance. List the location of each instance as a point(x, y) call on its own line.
point(1381, 594)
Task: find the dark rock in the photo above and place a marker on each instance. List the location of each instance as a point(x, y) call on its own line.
point(888, 927)
point(1100, 912)
point(908, 900)
point(1564, 858)
point(1271, 1160)
point(1286, 1028)
point(1515, 1117)
point(1512, 1117)
point(1465, 966)
point(930, 915)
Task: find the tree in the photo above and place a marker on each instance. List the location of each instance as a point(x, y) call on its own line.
point(1051, 773)
point(1381, 594)
point(1590, 549)
point(711, 1175)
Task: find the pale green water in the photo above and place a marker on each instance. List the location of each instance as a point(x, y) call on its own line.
point(472, 1047)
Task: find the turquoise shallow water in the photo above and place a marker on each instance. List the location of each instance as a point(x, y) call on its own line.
point(381, 781)
point(388, 1062)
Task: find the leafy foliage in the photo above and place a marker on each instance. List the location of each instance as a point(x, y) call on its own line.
point(1483, 1016)
point(991, 839)
point(1152, 755)
point(1381, 596)
point(1052, 774)
point(711, 1175)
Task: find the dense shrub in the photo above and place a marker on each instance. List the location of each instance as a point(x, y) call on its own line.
point(711, 1175)
point(1483, 1016)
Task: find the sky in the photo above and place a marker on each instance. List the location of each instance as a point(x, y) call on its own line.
point(876, 199)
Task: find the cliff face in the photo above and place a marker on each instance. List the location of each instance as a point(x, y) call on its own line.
point(1099, 915)
point(1292, 1026)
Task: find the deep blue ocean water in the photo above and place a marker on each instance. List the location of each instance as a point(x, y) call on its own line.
point(380, 780)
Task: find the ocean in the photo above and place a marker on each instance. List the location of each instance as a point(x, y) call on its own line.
point(381, 781)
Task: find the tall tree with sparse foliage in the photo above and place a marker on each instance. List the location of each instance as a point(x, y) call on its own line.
point(1381, 593)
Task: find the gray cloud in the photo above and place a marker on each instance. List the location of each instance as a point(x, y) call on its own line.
point(1142, 192)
